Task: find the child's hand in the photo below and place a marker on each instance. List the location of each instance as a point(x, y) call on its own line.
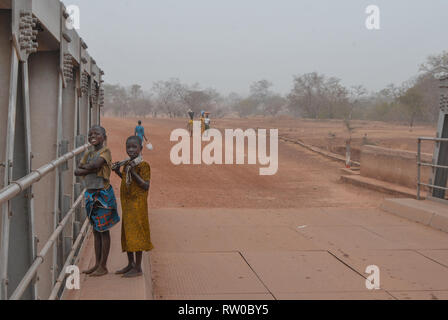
point(79, 172)
point(142, 183)
point(117, 171)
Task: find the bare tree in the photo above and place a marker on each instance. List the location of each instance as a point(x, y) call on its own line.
point(170, 96)
point(197, 100)
point(435, 63)
point(356, 94)
point(315, 96)
point(246, 107)
point(136, 91)
point(143, 106)
point(259, 90)
point(336, 97)
point(274, 104)
point(412, 101)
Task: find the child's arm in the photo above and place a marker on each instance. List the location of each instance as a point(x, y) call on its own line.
point(141, 183)
point(118, 173)
point(86, 169)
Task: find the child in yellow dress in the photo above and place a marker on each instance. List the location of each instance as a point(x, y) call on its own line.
point(135, 183)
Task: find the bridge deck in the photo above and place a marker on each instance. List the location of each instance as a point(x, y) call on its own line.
point(316, 253)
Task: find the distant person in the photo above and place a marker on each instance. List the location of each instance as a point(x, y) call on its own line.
point(206, 123)
point(190, 122)
point(191, 114)
point(100, 202)
point(140, 131)
point(365, 141)
point(135, 183)
point(202, 122)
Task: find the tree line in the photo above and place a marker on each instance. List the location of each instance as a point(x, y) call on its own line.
point(313, 95)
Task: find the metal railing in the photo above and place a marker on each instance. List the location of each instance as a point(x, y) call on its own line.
point(62, 275)
point(26, 280)
point(421, 164)
point(17, 187)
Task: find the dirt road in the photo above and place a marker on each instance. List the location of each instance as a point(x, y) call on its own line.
point(225, 232)
point(304, 179)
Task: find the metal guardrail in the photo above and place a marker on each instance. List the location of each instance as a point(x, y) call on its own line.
point(26, 280)
point(17, 187)
point(62, 275)
point(425, 164)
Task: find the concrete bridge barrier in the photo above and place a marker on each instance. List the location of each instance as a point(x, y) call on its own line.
point(395, 166)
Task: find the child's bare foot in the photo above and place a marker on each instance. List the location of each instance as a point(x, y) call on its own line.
point(125, 269)
point(134, 272)
point(99, 272)
point(91, 270)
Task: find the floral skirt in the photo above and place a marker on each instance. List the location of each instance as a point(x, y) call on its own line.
point(101, 207)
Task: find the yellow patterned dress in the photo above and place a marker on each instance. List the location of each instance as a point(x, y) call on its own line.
point(202, 124)
point(135, 235)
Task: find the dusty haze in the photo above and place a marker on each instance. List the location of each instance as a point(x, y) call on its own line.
point(229, 44)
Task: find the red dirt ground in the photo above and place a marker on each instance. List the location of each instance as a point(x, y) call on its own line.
point(304, 179)
point(318, 248)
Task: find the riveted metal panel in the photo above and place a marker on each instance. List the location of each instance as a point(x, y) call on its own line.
point(44, 75)
point(48, 12)
point(18, 7)
point(95, 71)
point(55, 113)
point(85, 60)
point(20, 239)
point(69, 38)
point(73, 47)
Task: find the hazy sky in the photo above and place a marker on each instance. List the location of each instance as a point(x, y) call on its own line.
point(228, 44)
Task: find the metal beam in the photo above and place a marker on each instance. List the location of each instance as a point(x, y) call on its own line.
point(58, 180)
point(440, 158)
point(6, 215)
point(28, 157)
point(39, 113)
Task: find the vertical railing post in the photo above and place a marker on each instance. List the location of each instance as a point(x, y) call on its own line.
point(27, 114)
point(58, 183)
point(6, 217)
point(418, 167)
